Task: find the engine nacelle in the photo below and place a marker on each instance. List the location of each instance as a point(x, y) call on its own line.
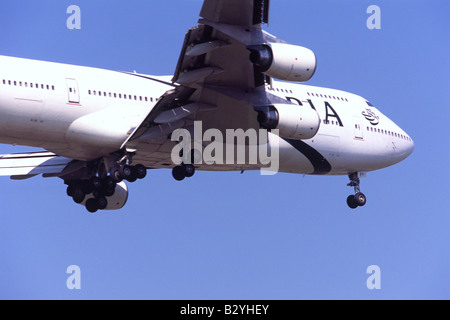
point(284, 61)
point(294, 121)
point(117, 200)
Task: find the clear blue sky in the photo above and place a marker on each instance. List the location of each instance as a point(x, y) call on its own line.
point(233, 236)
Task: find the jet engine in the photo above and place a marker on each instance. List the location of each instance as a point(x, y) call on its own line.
point(284, 61)
point(293, 121)
point(117, 200)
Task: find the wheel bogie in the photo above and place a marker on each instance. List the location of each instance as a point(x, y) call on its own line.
point(357, 200)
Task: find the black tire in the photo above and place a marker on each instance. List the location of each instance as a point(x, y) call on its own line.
point(133, 177)
point(351, 202)
point(189, 170)
point(87, 186)
point(70, 190)
point(109, 192)
point(360, 199)
point(116, 176)
point(178, 173)
point(102, 203)
point(125, 171)
point(109, 183)
point(78, 195)
point(91, 205)
point(96, 183)
point(141, 171)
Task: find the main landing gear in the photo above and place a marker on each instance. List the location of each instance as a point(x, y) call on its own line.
point(97, 185)
point(358, 199)
point(183, 171)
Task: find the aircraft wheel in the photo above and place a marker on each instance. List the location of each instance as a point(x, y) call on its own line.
point(141, 171)
point(179, 173)
point(109, 183)
point(116, 176)
point(70, 190)
point(109, 192)
point(189, 170)
point(96, 183)
point(125, 171)
point(77, 193)
point(91, 205)
point(360, 199)
point(102, 203)
point(351, 202)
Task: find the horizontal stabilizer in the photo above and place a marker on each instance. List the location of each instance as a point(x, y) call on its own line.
point(27, 165)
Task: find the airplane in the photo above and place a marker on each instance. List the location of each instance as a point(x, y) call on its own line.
point(99, 129)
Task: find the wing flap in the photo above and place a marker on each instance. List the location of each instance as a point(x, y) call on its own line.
point(236, 12)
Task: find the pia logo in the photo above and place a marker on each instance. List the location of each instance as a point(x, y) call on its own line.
point(371, 117)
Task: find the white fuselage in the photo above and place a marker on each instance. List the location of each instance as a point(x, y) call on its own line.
point(85, 113)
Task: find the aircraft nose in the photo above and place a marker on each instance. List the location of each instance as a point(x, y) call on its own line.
point(408, 147)
point(411, 147)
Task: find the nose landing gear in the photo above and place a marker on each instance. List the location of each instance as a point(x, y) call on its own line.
point(358, 199)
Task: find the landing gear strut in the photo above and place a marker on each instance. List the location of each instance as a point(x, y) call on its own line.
point(358, 199)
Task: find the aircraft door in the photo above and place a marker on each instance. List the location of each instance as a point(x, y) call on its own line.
point(72, 89)
point(357, 129)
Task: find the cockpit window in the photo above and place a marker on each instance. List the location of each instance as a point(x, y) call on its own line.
point(369, 104)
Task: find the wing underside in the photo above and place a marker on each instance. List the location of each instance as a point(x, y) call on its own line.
point(215, 81)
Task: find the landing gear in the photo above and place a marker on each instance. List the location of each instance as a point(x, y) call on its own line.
point(96, 185)
point(359, 199)
point(183, 171)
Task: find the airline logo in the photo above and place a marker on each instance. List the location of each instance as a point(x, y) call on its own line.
point(371, 117)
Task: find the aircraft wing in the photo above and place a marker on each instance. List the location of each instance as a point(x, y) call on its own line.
point(26, 165)
point(215, 82)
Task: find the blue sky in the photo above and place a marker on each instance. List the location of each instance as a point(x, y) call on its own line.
point(233, 236)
